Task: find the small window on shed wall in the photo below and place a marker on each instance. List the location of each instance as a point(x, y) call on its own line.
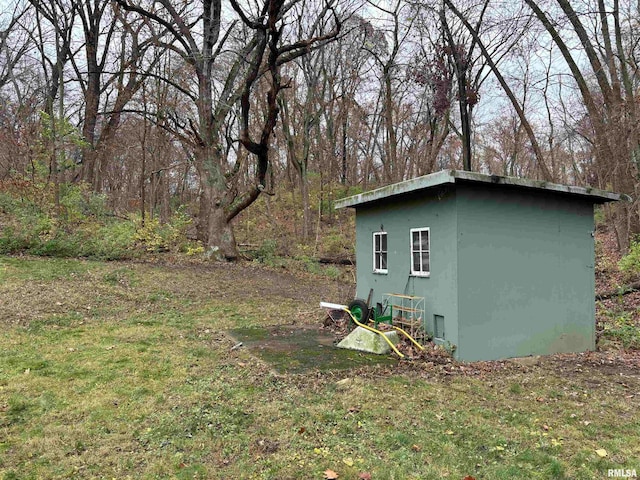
point(380, 252)
point(420, 252)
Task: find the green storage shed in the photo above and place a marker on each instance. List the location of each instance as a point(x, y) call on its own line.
point(504, 266)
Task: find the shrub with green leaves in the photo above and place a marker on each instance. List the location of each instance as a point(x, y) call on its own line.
point(13, 240)
point(336, 244)
point(7, 203)
point(622, 330)
point(333, 272)
point(161, 237)
point(267, 252)
point(25, 227)
point(111, 241)
point(83, 227)
point(78, 202)
point(630, 263)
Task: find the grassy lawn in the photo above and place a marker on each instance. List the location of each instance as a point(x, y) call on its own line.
point(118, 370)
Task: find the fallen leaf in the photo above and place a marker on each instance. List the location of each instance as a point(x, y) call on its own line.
point(601, 452)
point(348, 461)
point(364, 476)
point(469, 477)
point(302, 430)
point(449, 432)
point(330, 475)
point(416, 448)
point(545, 427)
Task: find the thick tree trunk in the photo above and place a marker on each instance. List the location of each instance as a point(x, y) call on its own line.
point(92, 102)
point(221, 242)
point(214, 226)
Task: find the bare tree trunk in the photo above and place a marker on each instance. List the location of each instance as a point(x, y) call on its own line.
point(299, 161)
point(143, 173)
point(460, 65)
point(391, 157)
point(221, 242)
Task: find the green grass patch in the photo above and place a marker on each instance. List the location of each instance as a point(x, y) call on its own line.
point(621, 330)
point(47, 269)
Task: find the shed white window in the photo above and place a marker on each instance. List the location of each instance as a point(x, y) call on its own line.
point(380, 252)
point(420, 251)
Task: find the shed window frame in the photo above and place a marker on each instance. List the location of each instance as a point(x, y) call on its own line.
point(380, 253)
point(420, 251)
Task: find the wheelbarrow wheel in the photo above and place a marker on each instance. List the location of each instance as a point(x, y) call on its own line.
point(360, 310)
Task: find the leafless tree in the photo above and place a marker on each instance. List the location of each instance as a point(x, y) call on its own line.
point(14, 45)
point(251, 48)
point(114, 65)
point(606, 85)
point(492, 56)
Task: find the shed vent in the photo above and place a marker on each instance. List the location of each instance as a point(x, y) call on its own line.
point(438, 324)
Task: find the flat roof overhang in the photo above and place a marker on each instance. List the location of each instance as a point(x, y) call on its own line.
point(450, 177)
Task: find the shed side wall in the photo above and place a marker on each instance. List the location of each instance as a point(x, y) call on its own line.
point(525, 273)
point(398, 218)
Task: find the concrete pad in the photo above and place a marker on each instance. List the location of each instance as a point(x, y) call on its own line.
point(367, 341)
point(300, 348)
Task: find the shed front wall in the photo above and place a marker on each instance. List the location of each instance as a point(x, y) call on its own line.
point(397, 218)
point(525, 274)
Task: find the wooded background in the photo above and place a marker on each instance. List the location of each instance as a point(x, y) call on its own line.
point(206, 106)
